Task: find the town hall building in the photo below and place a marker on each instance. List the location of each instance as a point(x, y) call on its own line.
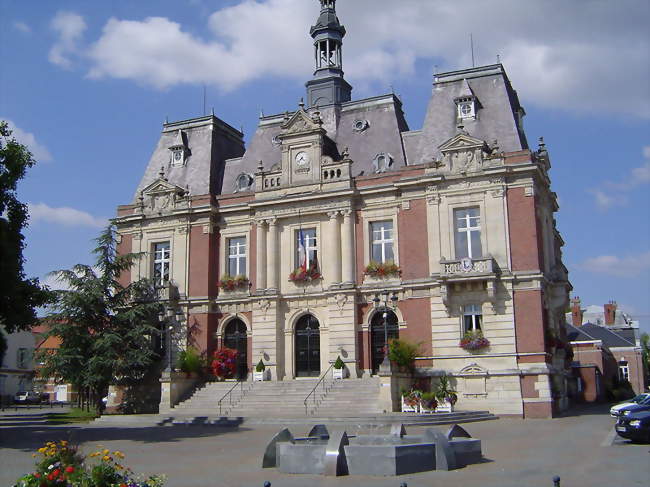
point(340, 227)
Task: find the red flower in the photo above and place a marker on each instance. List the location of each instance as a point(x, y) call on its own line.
point(56, 472)
point(69, 469)
point(37, 475)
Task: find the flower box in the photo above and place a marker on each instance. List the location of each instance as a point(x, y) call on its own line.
point(445, 407)
point(302, 275)
point(383, 270)
point(474, 341)
point(410, 404)
point(229, 283)
point(259, 376)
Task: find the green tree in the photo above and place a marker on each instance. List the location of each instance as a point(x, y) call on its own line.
point(107, 331)
point(3, 347)
point(19, 296)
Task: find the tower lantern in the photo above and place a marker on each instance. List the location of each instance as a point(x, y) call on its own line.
point(328, 86)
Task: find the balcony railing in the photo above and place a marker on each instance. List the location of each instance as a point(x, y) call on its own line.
point(167, 291)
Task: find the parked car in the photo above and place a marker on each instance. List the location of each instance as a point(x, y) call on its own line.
point(634, 426)
point(635, 400)
point(634, 408)
point(29, 397)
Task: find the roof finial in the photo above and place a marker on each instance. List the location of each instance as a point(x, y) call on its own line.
point(161, 174)
point(542, 145)
point(260, 166)
point(302, 103)
point(461, 128)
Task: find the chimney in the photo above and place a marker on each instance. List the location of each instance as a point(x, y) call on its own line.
point(576, 312)
point(610, 313)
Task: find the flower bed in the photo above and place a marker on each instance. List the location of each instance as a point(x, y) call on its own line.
point(62, 466)
point(224, 363)
point(304, 275)
point(474, 341)
point(236, 283)
point(381, 270)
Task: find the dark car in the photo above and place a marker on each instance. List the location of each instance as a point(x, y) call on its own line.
point(634, 426)
point(644, 405)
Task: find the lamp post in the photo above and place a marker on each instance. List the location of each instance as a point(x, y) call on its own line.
point(385, 364)
point(170, 317)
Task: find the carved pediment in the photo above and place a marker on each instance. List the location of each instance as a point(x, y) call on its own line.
point(464, 153)
point(300, 122)
point(161, 196)
point(473, 369)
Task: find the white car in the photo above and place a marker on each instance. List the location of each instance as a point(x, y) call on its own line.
point(614, 411)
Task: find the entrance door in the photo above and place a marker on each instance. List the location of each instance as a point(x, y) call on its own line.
point(61, 393)
point(235, 337)
point(307, 347)
point(384, 319)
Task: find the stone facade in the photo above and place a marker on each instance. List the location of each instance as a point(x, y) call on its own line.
point(363, 187)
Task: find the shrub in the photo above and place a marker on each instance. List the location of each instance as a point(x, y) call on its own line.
point(443, 390)
point(429, 400)
point(260, 367)
point(190, 361)
point(232, 283)
point(339, 363)
point(305, 275)
point(403, 353)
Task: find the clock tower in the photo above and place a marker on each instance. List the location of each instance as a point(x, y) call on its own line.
point(328, 87)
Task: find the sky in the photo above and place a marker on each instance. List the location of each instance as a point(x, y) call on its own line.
point(88, 85)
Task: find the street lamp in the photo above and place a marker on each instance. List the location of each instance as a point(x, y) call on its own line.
point(378, 305)
point(170, 317)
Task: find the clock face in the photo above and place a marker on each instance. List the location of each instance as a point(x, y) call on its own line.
point(177, 155)
point(302, 159)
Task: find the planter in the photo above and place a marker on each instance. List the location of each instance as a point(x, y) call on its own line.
point(341, 373)
point(410, 408)
point(259, 376)
point(445, 407)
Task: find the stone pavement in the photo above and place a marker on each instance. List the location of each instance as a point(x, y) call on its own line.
point(578, 448)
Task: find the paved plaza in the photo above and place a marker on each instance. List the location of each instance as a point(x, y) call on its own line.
point(581, 449)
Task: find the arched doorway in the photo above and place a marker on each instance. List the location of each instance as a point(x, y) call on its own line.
point(378, 335)
point(236, 338)
point(307, 347)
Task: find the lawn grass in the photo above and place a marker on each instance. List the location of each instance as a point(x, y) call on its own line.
point(75, 415)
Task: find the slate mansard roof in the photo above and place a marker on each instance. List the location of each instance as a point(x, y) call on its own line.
point(590, 332)
point(216, 154)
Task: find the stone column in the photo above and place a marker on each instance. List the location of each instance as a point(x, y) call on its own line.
point(261, 256)
point(332, 259)
point(347, 247)
point(273, 257)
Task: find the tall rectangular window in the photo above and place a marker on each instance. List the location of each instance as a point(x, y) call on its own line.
point(23, 358)
point(161, 262)
point(382, 242)
point(624, 372)
point(472, 317)
point(237, 256)
point(467, 233)
point(306, 248)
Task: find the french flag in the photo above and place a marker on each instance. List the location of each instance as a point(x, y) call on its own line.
point(302, 250)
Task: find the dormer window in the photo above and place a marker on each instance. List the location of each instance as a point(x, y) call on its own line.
point(178, 150)
point(382, 162)
point(243, 182)
point(178, 158)
point(466, 108)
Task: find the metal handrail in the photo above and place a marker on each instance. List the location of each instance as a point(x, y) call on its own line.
point(313, 391)
point(229, 393)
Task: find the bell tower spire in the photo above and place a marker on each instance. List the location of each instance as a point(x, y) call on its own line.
point(328, 87)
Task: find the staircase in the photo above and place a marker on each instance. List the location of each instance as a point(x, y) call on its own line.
point(346, 398)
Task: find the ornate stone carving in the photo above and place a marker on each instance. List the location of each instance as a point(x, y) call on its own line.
point(341, 300)
point(265, 304)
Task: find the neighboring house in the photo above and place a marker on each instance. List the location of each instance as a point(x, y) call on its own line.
point(57, 392)
point(607, 349)
point(17, 368)
point(337, 206)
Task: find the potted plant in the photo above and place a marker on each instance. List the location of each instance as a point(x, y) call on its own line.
point(224, 363)
point(260, 371)
point(411, 401)
point(382, 270)
point(428, 402)
point(233, 283)
point(190, 362)
point(403, 354)
point(474, 341)
point(445, 395)
point(339, 370)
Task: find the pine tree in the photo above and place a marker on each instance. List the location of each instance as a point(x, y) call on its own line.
point(107, 331)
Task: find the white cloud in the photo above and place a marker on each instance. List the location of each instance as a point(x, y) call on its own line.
point(39, 151)
point(69, 28)
point(69, 217)
point(614, 193)
point(566, 55)
point(22, 27)
point(611, 265)
point(52, 281)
